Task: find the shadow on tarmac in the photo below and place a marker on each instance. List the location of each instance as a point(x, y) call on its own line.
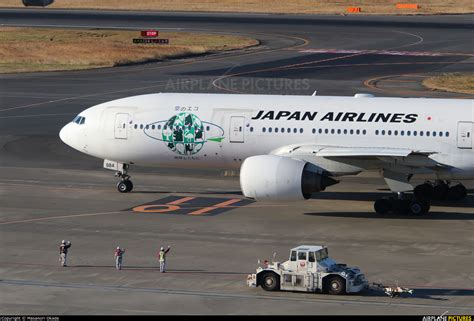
point(372, 196)
point(189, 192)
point(157, 269)
point(425, 293)
point(429, 216)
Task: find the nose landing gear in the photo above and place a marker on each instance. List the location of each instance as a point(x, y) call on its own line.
point(125, 184)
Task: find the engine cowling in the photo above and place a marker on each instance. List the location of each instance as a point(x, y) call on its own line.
point(277, 178)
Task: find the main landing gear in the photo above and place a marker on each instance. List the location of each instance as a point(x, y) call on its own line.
point(401, 205)
point(125, 185)
point(440, 190)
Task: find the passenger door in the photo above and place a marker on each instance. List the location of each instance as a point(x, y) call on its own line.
point(465, 132)
point(121, 125)
point(236, 134)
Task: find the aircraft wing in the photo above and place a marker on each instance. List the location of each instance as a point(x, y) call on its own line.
point(339, 151)
point(348, 151)
point(348, 154)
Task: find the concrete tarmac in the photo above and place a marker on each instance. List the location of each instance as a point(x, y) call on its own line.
point(49, 192)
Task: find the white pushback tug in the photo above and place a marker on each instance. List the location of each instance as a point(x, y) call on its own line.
point(309, 269)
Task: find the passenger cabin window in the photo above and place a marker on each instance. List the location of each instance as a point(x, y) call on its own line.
point(311, 257)
point(293, 256)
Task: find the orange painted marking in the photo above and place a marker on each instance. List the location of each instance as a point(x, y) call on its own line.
point(210, 208)
point(354, 9)
point(407, 6)
point(154, 209)
point(181, 200)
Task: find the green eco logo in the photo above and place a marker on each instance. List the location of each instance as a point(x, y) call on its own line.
point(185, 133)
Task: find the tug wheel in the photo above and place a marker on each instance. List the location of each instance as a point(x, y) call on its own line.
point(336, 285)
point(270, 282)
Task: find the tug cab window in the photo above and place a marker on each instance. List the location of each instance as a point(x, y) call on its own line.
point(323, 254)
point(293, 256)
point(311, 257)
point(301, 255)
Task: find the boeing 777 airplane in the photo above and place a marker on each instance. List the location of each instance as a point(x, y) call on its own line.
point(288, 147)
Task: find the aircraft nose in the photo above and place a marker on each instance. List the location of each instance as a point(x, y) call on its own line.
point(65, 134)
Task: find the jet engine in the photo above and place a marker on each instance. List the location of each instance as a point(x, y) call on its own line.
point(277, 178)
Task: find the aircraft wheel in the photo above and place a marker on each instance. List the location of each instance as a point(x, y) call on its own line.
point(440, 191)
point(457, 193)
point(382, 206)
point(417, 207)
point(124, 186)
point(129, 185)
point(423, 191)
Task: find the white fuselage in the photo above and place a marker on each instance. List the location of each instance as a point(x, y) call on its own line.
point(221, 130)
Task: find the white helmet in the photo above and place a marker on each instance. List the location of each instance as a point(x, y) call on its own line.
point(63, 242)
point(162, 248)
point(118, 247)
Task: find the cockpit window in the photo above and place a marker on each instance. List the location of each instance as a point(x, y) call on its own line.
point(79, 120)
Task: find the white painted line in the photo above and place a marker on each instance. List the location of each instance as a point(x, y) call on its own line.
point(375, 52)
point(85, 26)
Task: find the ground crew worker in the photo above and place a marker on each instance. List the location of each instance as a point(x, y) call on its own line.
point(118, 257)
point(63, 249)
point(162, 257)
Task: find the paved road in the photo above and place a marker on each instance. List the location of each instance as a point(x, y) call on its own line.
point(49, 192)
